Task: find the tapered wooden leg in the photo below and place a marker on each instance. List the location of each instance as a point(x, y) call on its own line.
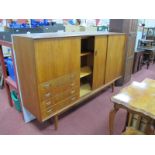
point(56, 122)
point(127, 121)
point(112, 118)
point(148, 64)
point(149, 128)
point(113, 86)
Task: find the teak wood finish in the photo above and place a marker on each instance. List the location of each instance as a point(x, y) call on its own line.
point(65, 56)
point(25, 58)
point(115, 57)
point(49, 70)
point(99, 61)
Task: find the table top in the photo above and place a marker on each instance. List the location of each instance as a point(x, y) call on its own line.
point(146, 40)
point(139, 96)
point(149, 48)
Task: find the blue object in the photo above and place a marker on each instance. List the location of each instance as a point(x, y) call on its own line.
point(46, 23)
point(10, 68)
point(72, 21)
point(35, 23)
point(14, 24)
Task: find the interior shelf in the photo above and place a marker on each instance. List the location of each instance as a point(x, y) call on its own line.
point(85, 71)
point(85, 89)
point(85, 53)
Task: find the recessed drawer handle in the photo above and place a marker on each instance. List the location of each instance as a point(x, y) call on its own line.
point(48, 94)
point(73, 98)
point(49, 111)
point(48, 103)
point(73, 91)
point(46, 85)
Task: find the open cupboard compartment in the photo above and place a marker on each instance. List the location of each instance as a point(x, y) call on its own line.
point(87, 59)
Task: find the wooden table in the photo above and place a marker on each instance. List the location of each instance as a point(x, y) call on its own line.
point(137, 98)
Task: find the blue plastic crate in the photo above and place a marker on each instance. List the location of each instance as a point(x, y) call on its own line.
point(10, 68)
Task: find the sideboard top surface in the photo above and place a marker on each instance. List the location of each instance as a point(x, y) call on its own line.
point(65, 34)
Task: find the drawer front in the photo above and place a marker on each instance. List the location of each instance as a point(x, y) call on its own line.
point(61, 92)
point(46, 113)
point(65, 79)
point(45, 87)
point(65, 94)
point(64, 87)
point(45, 96)
point(50, 109)
point(47, 103)
point(51, 91)
point(58, 93)
point(45, 91)
point(57, 99)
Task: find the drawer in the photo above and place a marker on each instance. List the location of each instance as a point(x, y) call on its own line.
point(45, 90)
point(66, 79)
point(63, 80)
point(63, 85)
point(47, 111)
point(62, 104)
point(74, 98)
point(47, 103)
point(58, 94)
point(59, 89)
point(60, 81)
point(45, 86)
point(45, 95)
point(65, 94)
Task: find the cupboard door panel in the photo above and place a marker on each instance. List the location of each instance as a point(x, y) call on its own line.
point(115, 57)
point(99, 61)
point(57, 57)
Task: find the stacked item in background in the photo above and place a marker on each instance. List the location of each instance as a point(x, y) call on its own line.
point(1, 78)
point(8, 62)
point(89, 25)
point(10, 68)
point(11, 73)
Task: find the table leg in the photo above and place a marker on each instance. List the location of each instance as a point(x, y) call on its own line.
point(56, 122)
point(113, 86)
point(149, 128)
point(148, 64)
point(112, 118)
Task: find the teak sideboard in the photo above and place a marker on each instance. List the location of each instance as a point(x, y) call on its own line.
point(57, 71)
